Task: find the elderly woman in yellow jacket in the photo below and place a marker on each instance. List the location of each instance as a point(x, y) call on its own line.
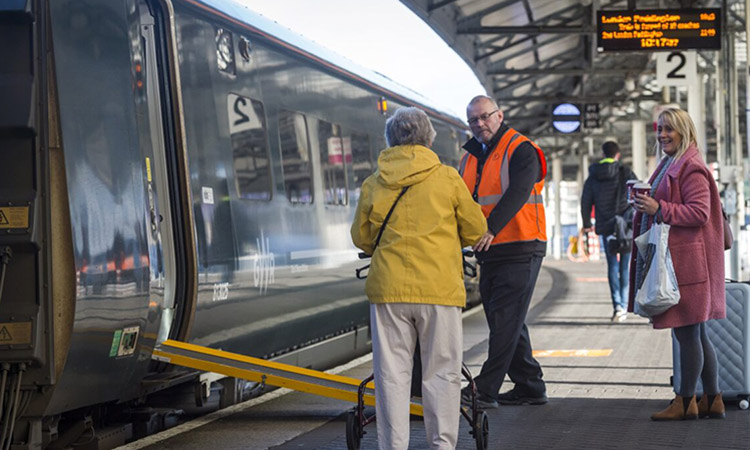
point(415, 283)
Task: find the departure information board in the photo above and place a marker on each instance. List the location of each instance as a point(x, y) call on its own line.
point(659, 29)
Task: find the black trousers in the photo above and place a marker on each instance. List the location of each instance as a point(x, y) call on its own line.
point(506, 289)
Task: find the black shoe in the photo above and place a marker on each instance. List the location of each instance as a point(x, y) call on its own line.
point(514, 397)
point(483, 401)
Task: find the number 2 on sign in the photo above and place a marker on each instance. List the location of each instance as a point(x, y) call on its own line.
point(237, 109)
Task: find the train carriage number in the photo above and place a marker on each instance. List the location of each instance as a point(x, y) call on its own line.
point(221, 291)
point(242, 115)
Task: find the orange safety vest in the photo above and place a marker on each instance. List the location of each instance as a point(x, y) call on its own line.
point(529, 223)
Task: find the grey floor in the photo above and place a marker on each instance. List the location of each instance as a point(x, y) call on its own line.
point(596, 402)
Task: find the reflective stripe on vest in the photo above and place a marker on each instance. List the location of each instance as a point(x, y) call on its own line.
point(462, 165)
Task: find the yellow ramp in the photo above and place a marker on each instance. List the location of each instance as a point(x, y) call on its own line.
point(268, 372)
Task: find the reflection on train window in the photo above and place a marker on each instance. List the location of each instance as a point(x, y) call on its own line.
point(362, 163)
point(295, 157)
point(225, 51)
point(247, 129)
point(335, 153)
point(245, 48)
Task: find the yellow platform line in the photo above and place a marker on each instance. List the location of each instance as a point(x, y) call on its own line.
point(591, 279)
point(587, 353)
point(346, 391)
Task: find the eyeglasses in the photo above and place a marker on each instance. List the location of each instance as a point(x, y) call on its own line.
point(483, 117)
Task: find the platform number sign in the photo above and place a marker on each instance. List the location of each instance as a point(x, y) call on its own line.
point(676, 68)
point(242, 115)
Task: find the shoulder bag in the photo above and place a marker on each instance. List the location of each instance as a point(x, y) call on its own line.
point(728, 236)
point(363, 255)
point(621, 239)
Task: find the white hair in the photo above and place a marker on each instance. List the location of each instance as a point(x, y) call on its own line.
point(409, 126)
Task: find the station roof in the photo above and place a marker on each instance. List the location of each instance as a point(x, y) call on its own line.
point(532, 55)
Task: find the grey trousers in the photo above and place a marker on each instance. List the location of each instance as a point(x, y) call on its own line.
point(396, 327)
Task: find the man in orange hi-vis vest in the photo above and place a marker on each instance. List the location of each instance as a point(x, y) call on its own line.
point(505, 173)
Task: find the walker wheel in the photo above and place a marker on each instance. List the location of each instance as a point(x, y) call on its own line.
point(482, 431)
point(353, 431)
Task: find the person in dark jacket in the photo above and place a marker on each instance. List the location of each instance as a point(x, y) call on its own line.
point(599, 192)
point(504, 171)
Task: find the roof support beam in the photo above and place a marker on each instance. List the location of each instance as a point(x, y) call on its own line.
point(531, 30)
point(433, 5)
point(569, 72)
point(558, 16)
point(477, 16)
point(490, 43)
point(606, 99)
point(547, 62)
point(515, 83)
point(503, 48)
point(530, 16)
point(501, 61)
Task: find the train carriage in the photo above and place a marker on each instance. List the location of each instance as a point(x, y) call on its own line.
point(174, 169)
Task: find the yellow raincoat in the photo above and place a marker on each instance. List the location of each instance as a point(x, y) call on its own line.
point(418, 259)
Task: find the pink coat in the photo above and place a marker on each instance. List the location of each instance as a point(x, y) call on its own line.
point(689, 201)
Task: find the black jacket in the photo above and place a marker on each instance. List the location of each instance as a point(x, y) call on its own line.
point(524, 167)
point(599, 191)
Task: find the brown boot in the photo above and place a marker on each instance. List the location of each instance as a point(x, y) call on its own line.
point(712, 406)
point(681, 408)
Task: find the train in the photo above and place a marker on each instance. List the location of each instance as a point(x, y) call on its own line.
point(174, 169)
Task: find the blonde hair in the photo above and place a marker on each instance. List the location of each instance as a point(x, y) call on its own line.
point(681, 122)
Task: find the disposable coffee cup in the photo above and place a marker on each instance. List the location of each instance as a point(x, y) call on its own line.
point(641, 188)
point(629, 184)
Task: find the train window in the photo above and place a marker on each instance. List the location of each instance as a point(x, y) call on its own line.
point(335, 153)
point(225, 51)
point(295, 157)
point(362, 159)
point(247, 129)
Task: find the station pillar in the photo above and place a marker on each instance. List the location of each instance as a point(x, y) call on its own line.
point(583, 167)
point(696, 108)
point(638, 142)
point(557, 170)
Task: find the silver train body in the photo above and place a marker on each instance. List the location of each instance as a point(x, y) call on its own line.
point(173, 169)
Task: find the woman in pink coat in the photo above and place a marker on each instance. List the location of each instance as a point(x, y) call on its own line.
point(684, 195)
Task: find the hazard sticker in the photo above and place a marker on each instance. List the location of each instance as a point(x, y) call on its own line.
point(115, 343)
point(148, 169)
point(14, 216)
point(15, 333)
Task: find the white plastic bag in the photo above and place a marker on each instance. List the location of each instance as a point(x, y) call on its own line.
point(659, 290)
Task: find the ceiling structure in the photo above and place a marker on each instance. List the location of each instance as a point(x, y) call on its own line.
point(532, 55)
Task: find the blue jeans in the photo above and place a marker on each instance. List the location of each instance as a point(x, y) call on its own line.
point(618, 273)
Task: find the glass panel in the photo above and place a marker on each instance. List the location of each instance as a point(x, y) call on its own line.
point(225, 51)
point(335, 153)
point(295, 157)
point(362, 164)
point(247, 127)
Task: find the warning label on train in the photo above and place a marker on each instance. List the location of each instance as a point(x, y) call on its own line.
point(15, 333)
point(14, 216)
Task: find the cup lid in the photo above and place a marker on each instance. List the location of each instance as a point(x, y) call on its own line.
point(632, 181)
point(642, 186)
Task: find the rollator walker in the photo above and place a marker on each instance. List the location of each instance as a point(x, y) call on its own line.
point(356, 419)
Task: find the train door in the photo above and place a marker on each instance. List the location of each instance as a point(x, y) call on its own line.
point(150, 113)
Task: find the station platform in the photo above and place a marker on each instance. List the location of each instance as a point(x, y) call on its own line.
point(603, 380)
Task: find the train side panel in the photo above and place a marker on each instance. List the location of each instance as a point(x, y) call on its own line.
point(275, 259)
point(115, 321)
